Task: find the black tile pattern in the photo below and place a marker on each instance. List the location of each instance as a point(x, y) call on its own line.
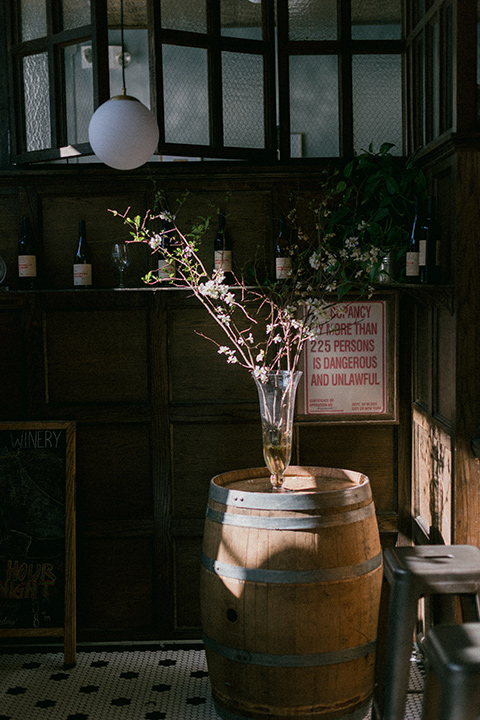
point(133, 684)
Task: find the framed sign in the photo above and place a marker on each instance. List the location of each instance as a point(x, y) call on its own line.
point(350, 371)
point(37, 531)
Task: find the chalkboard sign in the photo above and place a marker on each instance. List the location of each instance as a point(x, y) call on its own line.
point(37, 531)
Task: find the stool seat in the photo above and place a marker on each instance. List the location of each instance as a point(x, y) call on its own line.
point(435, 568)
point(412, 573)
point(452, 685)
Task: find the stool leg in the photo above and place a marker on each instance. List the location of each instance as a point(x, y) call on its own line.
point(432, 693)
point(459, 702)
point(402, 617)
point(380, 652)
point(451, 697)
point(477, 604)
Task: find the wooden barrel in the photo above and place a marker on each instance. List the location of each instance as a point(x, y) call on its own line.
point(290, 592)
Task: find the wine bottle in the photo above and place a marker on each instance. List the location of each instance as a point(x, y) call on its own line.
point(429, 245)
point(283, 260)
point(27, 258)
point(223, 251)
point(82, 264)
point(165, 264)
point(412, 258)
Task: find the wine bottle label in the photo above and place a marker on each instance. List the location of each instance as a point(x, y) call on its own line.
point(82, 274)
point(223, 260)
point(27, 266)
point(422, 256)
point(166, 269)
point(412, 264)
point(283, 267)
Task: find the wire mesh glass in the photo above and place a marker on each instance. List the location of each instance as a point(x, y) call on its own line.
point(185, 79)
point(37, 102)
point(33, 19)
point(188, 15)
point(241, 19)
point(433, 64)
point(312, 19)
point(78, 92)
point(314, 104)
point(446, 118)
point(75, 13)
point(377, 101)
point(134, 13)
point(243, 115)
point(374, 20)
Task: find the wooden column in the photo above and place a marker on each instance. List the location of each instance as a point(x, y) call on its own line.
point(466, 509)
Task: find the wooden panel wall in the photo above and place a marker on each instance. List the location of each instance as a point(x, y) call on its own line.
point(434, 379)
point(467, 357)
point(158, 411)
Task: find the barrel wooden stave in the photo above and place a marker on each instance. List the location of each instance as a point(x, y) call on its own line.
point(307, 595)
point(273, 693)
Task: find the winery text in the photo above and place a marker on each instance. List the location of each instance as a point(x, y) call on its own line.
point(38, 439)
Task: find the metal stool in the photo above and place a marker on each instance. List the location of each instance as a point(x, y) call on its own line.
point(412, 573)
point(452, 685)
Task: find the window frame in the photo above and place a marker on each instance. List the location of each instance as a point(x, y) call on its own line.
point(276, 54)
point(344, 47)
point(454, 57)
point(53, 44)
point(215, 44)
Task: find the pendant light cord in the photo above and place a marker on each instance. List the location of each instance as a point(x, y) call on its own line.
point(122, 42)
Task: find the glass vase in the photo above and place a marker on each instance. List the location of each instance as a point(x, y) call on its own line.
point(277, 406)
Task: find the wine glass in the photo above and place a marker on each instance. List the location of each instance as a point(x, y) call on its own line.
point(120, 258)
point(3, 270)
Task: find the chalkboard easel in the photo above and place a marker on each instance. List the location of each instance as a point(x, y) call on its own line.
point(37, 532)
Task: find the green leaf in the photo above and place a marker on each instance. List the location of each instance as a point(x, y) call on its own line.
point(343, 289)
point(375, 229)
point(348, 169)
point(385, 147)
point(342, 212)
point(392, 186)
point(381, 213)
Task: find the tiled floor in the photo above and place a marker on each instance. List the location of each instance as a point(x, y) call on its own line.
point(167, 682)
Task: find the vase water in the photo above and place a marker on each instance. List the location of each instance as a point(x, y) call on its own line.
point(277, 394)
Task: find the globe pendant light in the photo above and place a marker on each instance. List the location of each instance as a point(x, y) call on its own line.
point(123, 132)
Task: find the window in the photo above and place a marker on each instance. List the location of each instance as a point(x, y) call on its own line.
point(227, 79)
point(441, 77)
point(430, 60)
point(341, 65)
point(52, 101)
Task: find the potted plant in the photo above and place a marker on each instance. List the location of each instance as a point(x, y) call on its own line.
point(370, 204)
point(361, 212)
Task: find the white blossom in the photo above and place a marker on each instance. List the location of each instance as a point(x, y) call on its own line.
point(229, 352)
point(261, 373)
point(265, 341)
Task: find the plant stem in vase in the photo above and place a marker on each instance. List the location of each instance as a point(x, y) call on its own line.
point(277, 406)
